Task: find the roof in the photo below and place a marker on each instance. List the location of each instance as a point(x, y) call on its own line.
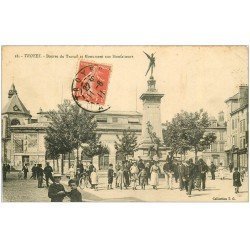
point(122, 113)
point(15, 106)
point(36, 125)
point(234, 97)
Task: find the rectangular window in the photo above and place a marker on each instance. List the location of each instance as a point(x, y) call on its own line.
point(243, 126)
point(18, 146)
point(214, 147)
point(221, 135)
point(102, 119)
point(133, 120)
point(114, 119)
point(221, 147)
point(235, 141)
point(232, 124)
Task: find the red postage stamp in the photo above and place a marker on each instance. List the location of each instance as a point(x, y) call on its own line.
point(91, 83)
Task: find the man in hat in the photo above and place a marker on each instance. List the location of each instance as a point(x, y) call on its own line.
point(56, 190)
point(212, 170)
point(48, 173)
point(39, 173)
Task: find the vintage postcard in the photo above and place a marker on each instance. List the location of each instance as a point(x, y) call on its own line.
point(124, 123)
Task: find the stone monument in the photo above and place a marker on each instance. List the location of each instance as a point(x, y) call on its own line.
point(151, 120)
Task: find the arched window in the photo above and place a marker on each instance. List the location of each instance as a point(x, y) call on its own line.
point(15, 122)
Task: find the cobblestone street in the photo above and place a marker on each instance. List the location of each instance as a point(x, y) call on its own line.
point(15, 190)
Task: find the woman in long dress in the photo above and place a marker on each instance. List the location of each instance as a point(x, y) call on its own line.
point(134, 175)
point(154, 176)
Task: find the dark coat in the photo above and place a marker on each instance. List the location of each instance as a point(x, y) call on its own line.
point(181, 169)
point(34, 169)
point(212, 168)
point(75, 195)
point(190, 172)
point(140, 165)
point(48, 170)
point(25, 169)
point(236, 179)
point(110, 175)
point(53, 192)
point(39, 172)
point(167, 167)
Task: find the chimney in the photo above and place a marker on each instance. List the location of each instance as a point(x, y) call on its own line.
point(243, 95)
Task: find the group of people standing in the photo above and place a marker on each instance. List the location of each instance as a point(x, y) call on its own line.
point(190, 175)
point(131, 173)
point(38, 173)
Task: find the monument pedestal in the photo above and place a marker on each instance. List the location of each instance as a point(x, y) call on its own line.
point(151, 114)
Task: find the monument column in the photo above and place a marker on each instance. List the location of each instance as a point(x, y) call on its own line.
point(151, 115)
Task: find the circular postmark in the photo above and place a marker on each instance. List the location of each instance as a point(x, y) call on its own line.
point(90, 86)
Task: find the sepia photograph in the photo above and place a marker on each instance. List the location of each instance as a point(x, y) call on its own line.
point(124, 124)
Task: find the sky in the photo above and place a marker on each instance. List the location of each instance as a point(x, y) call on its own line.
point(190, 77)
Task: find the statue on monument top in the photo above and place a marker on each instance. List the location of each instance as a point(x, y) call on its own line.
point(151, 63)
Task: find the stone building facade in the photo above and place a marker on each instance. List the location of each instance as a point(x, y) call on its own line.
point(216, 152)
point(237, 128)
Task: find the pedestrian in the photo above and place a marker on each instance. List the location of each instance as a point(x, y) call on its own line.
point(5, 170)
point(126, 174)
point(212, 170)
point(147, 168)
point(203, 173)
point(25, 170)
point(197, 174)
point(168, 171)
point(8, 167)
point(40, 175)
point(117, 169)
point(181, 168)
point(110, 176)
point(175, 170)
point(154, 181)
point(56, 190)
point(119, 178)
point(134, 175)
point(94, 179)
point(71, 172)
point(189, 175)
point(90, 170)
point(243, 173)
point(74, 194)
point(231, 167)
point(140, 165)
point(48, 171)
point(221, 171)
point(236, 180)
point(81, 168)
point(33, 171)
point(143, 176)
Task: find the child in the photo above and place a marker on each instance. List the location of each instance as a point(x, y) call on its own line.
point(110, 176)
point(74, 194)
point(236, 180)
point(221, 171)
point(71, 172)
point(242, 174)
point(94, 179)
point(143, 178)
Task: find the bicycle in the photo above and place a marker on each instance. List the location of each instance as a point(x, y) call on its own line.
point(84, 181)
